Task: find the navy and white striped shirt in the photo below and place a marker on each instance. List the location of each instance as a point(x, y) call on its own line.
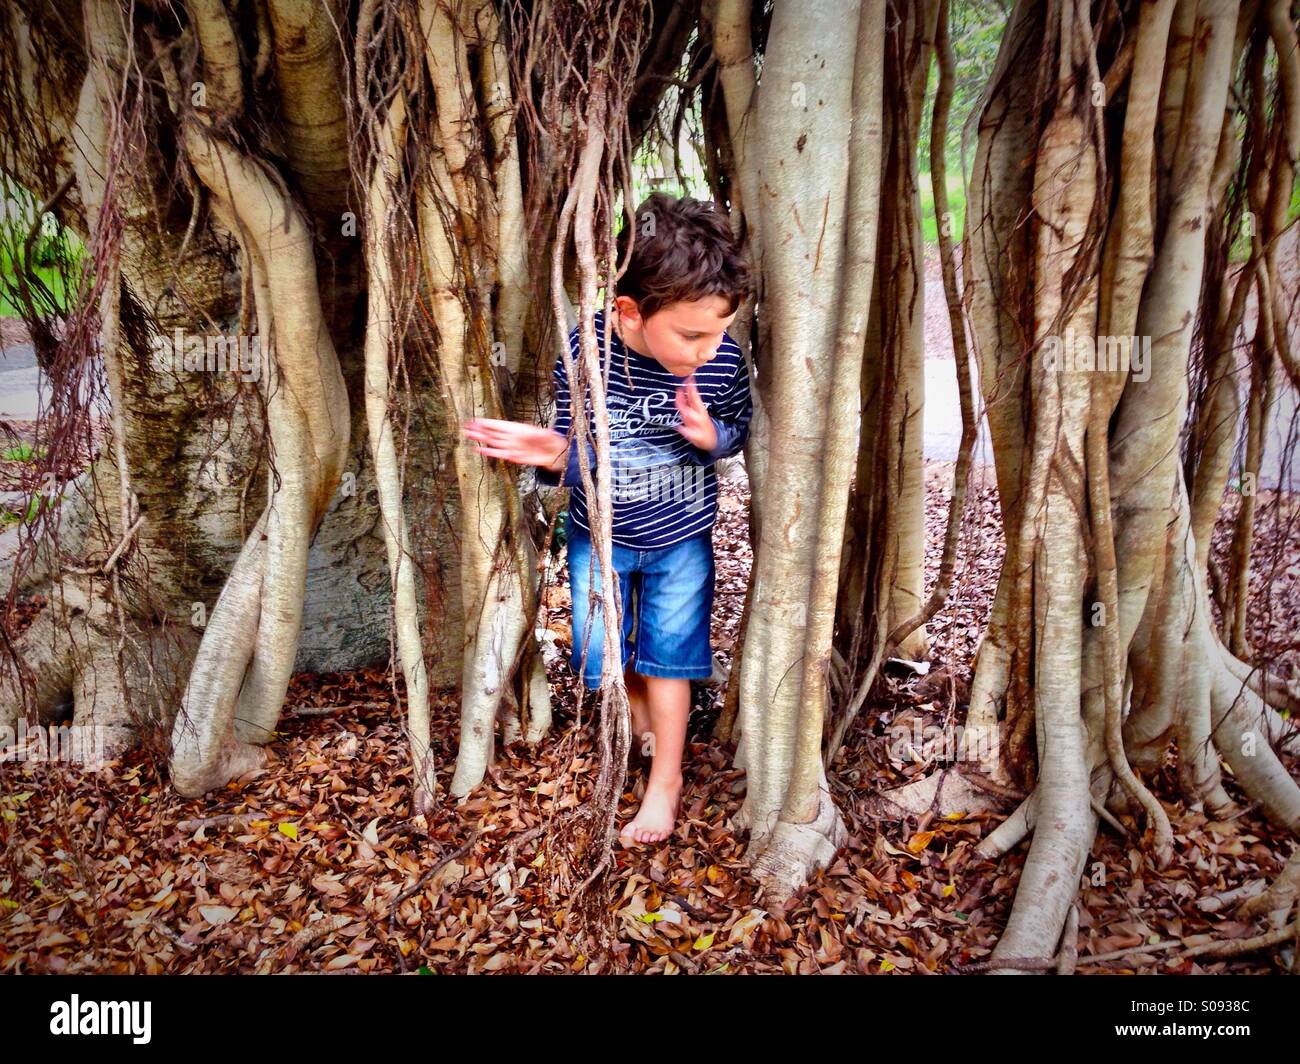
point(664, 488)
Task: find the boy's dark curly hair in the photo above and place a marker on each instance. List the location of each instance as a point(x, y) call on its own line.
point(684, 251)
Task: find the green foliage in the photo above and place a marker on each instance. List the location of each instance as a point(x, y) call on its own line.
point(22, 452)
point(650, 175)
point(35, 507)
point(61, 285)
point(975, 27)
point(53, 272)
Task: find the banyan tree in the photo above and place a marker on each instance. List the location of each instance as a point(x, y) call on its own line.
point(385, 216)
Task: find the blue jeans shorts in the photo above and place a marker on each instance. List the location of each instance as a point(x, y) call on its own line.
point(667, 595)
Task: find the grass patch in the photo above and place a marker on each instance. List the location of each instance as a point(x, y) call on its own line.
point(23, 452)
point(956, 204)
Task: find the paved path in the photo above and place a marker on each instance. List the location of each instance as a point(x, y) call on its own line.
point(18, 383)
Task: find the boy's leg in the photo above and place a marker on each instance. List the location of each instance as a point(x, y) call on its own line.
point(642, 736)
point(674, 610)
point(636, 692)
point(668, 700)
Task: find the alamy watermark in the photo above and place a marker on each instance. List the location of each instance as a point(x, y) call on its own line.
point(182, 352)
point(666, 483)
point(1072, 353)
point(77, 1017)
point(72, 743)
point(931, 742)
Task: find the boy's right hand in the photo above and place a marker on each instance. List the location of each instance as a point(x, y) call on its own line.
point(517, 441)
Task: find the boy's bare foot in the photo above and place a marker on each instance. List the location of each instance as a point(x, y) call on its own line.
point(655, 819)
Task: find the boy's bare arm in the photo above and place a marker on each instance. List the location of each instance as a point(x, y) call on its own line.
point(519, 442)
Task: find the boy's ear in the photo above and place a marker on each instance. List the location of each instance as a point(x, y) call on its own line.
point(628, 310)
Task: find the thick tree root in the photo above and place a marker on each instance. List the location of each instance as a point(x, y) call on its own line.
point(1239, 724)
point(1282, 896)
point(786, 857)
point(114, 688)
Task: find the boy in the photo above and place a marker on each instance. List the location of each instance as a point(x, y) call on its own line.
point(678, 401)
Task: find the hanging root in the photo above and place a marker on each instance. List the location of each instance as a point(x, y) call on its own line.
point(471, 232)
point(241, 673)
point(594, 161)
point(383, 332)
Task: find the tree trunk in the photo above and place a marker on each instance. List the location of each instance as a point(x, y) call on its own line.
point(1087, 704)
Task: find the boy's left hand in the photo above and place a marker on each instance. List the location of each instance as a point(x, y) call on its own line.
point(697, 426)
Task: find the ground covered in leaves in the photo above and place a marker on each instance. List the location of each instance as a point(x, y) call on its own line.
point(315, 865)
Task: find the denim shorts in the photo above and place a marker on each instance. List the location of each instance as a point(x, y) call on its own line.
point(667, 596)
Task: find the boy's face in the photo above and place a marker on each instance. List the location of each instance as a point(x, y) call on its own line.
point(681, 337)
